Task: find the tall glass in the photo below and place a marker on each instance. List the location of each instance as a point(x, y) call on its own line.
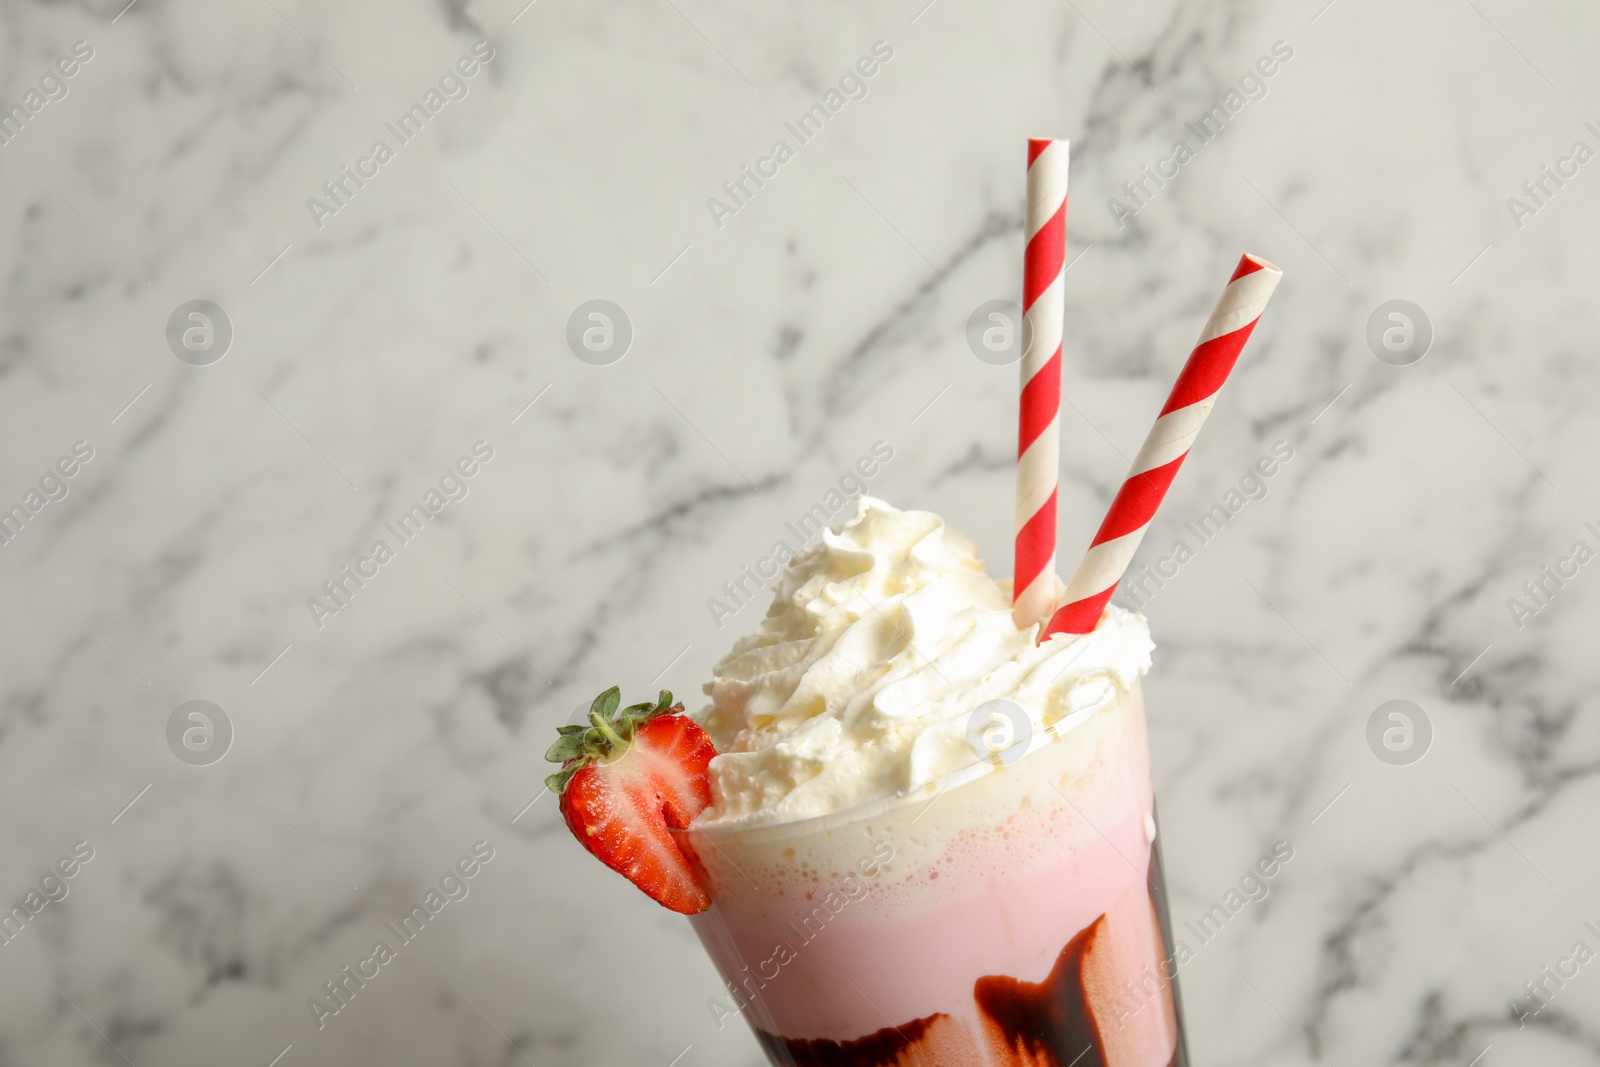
point(1015, 914)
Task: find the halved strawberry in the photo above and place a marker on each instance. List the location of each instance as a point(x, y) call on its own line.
point(626, 781)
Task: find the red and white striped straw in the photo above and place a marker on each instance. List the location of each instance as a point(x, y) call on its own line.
point(1193, 395)
point(1039, 421)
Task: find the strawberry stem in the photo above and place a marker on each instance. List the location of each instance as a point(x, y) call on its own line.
point(605, 729)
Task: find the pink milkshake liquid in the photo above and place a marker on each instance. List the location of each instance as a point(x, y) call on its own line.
point(1015, 914)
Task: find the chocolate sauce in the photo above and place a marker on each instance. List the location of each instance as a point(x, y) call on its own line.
point(882, 1048)
point(1047, 1022)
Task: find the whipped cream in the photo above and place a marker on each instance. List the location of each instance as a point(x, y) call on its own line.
point(881, 642)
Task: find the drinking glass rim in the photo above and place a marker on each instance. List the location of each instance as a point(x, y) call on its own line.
point(867, 809)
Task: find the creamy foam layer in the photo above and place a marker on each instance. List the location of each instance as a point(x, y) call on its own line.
point(881, 642)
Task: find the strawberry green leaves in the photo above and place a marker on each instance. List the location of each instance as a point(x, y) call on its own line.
point(608, 735)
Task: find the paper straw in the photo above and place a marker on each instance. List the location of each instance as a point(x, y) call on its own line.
point(1039, 423)
point(1193, 395)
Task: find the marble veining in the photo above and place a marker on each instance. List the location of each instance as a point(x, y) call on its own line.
point(375, 345)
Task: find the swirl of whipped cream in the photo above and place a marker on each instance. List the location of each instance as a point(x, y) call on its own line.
point(880, 642)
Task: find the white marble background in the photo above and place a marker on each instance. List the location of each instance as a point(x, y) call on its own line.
point(769, 354)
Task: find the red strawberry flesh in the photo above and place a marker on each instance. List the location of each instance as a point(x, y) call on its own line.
point(624, 805)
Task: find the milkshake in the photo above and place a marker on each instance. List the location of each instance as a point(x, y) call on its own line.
point(930, 838)
point(915, 825)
